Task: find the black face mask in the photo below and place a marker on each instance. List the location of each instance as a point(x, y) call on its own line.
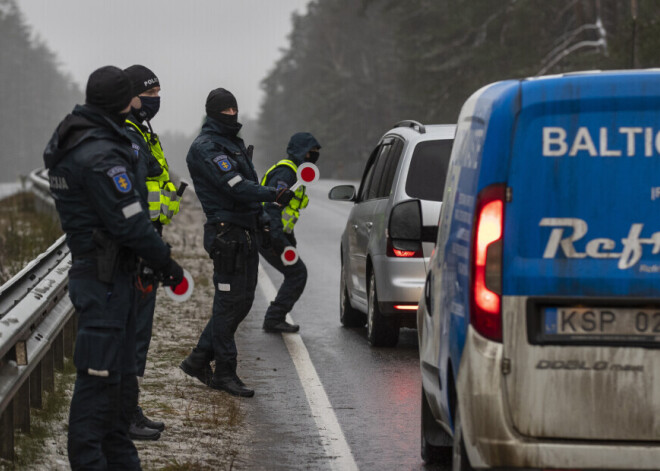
point(230, 121)
point(150, 106)
point(313, 156)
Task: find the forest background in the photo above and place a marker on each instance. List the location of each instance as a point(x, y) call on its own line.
point(353, 68)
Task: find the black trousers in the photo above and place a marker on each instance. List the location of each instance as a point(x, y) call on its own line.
point(295, 279)
point(105, 393)
point(235, 280)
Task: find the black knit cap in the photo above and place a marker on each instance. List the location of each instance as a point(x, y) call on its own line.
point(109, 89)
point(218, 101)
point(142, 79)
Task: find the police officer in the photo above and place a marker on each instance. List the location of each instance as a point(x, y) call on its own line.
point(159, 194)
point(303, 147)
point(227, 187)
point(91, 178)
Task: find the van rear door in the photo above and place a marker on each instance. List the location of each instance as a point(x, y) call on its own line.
point(581, 259)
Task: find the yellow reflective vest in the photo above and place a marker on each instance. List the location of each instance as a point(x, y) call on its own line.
point(291, 213)
point(162, 198)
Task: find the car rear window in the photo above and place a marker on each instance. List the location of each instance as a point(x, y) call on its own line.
point(428, 170)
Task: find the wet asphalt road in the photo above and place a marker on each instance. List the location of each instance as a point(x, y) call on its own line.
point(374, 393)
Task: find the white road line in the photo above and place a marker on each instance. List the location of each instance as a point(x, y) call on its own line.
point(332, 437)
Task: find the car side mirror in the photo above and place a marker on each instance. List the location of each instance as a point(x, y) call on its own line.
point(342, 193)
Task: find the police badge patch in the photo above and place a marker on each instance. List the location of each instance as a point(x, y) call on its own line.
point(120, 179)
point(222, 162)
point(282, 184)
point(136, 149)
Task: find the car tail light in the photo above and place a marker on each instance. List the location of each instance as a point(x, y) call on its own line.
point(406, 307)
point(404, 249)
point(486, 276)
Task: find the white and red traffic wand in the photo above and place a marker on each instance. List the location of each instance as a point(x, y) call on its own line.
point(307, 173)
point(183, 290)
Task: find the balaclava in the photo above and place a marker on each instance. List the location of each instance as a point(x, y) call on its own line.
point(218, 101)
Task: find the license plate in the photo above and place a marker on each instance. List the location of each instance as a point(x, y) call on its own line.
point(601, 323)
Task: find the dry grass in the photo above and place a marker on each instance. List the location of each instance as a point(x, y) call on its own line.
point(25, 233)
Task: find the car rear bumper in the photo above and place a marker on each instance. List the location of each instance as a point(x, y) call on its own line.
point(492, 442)
point(399, 282)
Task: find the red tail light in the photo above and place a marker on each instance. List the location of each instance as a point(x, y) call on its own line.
point(486, 277)
point(404, 249)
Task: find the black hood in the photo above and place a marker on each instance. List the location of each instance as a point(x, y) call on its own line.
point(299, 144)
point(85, 122)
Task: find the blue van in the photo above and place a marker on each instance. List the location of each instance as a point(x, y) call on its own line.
point(539, 327)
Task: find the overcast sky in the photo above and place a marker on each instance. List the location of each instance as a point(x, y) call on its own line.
point(192, 46)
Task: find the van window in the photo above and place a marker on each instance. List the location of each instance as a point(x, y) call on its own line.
point(428, 170)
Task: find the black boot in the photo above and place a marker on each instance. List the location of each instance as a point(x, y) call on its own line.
point(143, 420)
point(198, 365)
point(138, 431)
point(280, 326)
point(232, 385)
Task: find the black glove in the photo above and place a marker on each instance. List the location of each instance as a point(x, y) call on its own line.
point(284, 196)
point(172, 273)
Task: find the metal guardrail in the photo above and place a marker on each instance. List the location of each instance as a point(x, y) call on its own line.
point(37, 330)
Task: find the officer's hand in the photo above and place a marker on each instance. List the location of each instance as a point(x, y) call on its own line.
point(172, 273)
point(284, 196)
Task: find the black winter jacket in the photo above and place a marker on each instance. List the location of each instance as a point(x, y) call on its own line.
point(224, 178)
point(91, 173)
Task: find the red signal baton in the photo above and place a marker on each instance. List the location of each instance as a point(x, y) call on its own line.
point(183, 290)
point(289, 255)
point(308, 173)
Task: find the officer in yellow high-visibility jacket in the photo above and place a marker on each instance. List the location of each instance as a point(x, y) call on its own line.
point(160, 196)
point(303, 147)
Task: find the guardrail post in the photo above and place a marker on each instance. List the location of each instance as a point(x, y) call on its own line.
point(58, 351)
point(48, 372)
point(22, 408)
point(7, 433)
point(36, 399)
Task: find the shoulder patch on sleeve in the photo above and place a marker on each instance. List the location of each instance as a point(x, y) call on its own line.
point(222, 161)
point(120, 179)
point(116, 170)
point(282, 184)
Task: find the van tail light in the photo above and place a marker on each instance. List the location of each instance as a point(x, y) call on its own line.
point(486, 274)
point(404, 248)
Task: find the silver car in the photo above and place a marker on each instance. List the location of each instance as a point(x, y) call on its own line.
point(383, 264)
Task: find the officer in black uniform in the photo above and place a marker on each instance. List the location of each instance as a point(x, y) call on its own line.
point(227, 187)
point(303, 147)
point(146, 145)
point(91, 176)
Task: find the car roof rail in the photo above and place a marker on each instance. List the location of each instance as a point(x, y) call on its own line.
point(409, 123)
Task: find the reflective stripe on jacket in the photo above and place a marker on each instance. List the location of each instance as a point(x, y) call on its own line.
point(291, 213)
point(163, 201)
